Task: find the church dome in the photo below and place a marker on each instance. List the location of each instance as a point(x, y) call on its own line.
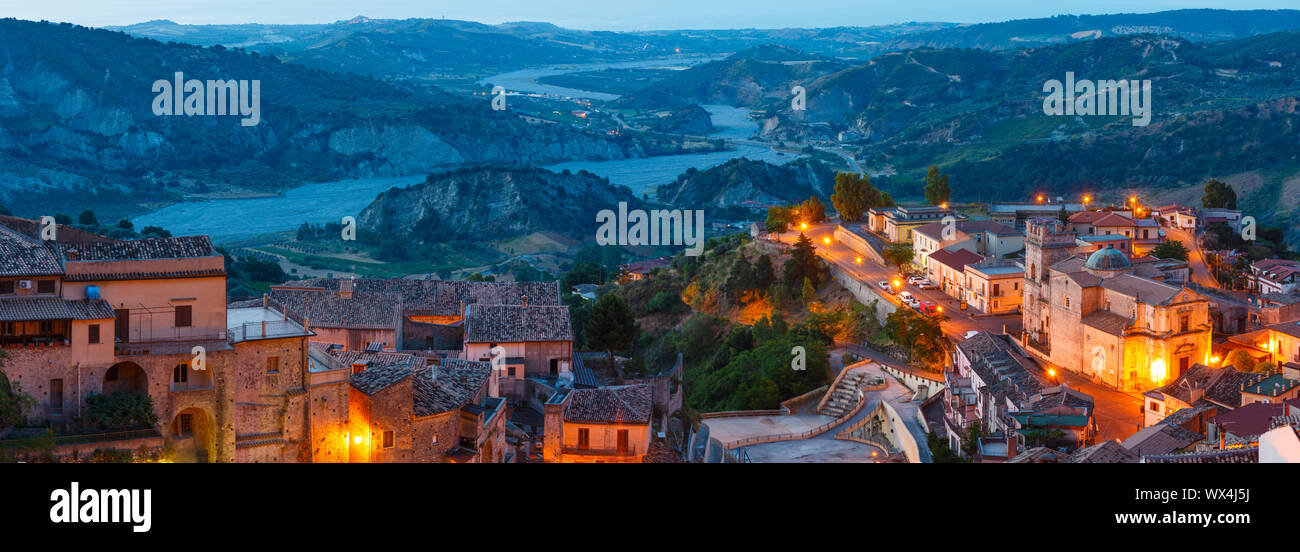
point(1108, 259)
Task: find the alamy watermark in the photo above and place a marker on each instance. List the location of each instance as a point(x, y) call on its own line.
point(215, 97)
point(1105, 97)
point(658, 227)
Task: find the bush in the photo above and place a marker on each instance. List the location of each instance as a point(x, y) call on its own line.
point(119, 410)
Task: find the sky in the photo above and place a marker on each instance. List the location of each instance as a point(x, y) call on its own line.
point(617, 15)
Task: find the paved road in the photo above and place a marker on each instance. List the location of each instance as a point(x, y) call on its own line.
point(1195, 257)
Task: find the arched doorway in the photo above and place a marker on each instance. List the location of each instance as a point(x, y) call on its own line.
point(193, 436)
point(125, 377)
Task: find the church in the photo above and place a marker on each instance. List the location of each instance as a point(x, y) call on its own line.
point(1103, 315)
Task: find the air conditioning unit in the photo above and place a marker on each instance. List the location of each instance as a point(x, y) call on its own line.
point(24, 284)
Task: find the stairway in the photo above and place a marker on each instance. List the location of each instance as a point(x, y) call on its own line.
point(844, 398)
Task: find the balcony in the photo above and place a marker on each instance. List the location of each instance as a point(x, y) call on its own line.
point(272, 329)
point(33, 340)
point(630, 450)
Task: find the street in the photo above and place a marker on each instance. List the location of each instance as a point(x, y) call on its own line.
point(1118, 414)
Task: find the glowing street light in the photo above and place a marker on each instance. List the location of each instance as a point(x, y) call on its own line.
point(1040, 198)
point(826, 241)
point(803, 226)
point(897, 283)
point(1158, 370)
point(944, 205)
point(858, 260)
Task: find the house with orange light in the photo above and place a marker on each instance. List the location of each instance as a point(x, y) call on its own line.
point(606, 424)
point(1205, 388)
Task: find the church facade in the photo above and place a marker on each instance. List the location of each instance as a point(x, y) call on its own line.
point(1102, 316)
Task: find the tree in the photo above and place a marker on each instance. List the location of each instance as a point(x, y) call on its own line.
point(808, 293)
point(612, 326)
point(1267, 368)
point(804, 263)
point(14, 404)
point(854, 195)
point(813, 210)
point(778, 220)
point(1170, 249)
point(937, 191)
point(1063, 215)
point(121, 409)
point(87, 218)
point(940, 452)
point(764, 273)
point(1241, 360)
point(1218, 195)
point(898, 254)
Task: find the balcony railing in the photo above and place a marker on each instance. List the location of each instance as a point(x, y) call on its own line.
point(265, 330)
point(630, 450)
point(50, 339)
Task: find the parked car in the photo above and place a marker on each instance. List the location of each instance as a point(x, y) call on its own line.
point(908, 299)
point(928, 307)
point(927, 284)
point(884, 285)
point(916, 280)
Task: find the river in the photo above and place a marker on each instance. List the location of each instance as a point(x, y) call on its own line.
point(317, 203)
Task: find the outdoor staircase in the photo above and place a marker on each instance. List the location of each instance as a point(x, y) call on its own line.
point(844, 398)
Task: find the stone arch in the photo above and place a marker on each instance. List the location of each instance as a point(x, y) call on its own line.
point(193, 433)
point(125, 377)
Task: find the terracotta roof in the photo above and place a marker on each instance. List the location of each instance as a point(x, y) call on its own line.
point(326, 309)
point(1220, 385)
point(1005, 373)
point(1113, 219)
point(1239, 455)
point(21, 255)
point(630, 404)
point(1106, 321)
point(957, 260)
point(438, 297)
point(1149, 291)
point(514, 323)
point(1105, 452)
point(1161, 438)
point(1250, 421)
point(108, 276)
point(54, 308)
point(382, 369)
point(456, 384)
point(184, 247)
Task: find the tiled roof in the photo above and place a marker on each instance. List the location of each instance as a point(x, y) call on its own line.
point(1161, 438)
point(1105, 452)
point(1272, 386)
point(100, 277)
point(21, 255)
point(183, 247)
point(1007, 375)
point(957, 260)
point(54, 308)
point(456, 384)
point(1149, 291)
point(1221, 385)
point(512, 324)
point(1239, 455)
point(326, 309)
point(1251, 420)
point(439, 297)
point(1289, 328)
point(1106, 321)
point(377, 378)
point(631, 404)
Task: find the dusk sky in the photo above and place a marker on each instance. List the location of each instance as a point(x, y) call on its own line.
point(593, 14)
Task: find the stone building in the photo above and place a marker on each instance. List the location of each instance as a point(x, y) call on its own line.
point(607, 424)
point(1106, 318)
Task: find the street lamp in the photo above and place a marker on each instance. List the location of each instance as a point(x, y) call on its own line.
point(1040, 198)
point(858, 260)
point(826, 241)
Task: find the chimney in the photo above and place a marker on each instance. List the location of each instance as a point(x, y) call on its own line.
point(345, 288)
point(265, 300)
point(523, 300)
point(1012, 442)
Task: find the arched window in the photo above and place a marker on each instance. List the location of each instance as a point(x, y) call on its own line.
point(181, 373)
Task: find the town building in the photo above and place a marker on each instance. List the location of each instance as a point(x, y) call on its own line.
point(1204, 389)
point(993, 286)
point(897, 223)
point(1274, 276)
point(602, 425)
point(1105, 317)
point(1211, 216)
point(1015, 214)
point(1178, 216)
point(987, 238)
point(947, 268)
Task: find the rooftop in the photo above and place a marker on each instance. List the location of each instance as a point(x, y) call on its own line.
point(630, 404)
point(54, 308)
point(517, 323)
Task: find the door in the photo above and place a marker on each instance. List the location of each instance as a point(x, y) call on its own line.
point(1183, 364)
point(622, 441)
point(122, 328)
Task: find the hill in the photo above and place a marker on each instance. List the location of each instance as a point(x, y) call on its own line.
point(740, 180)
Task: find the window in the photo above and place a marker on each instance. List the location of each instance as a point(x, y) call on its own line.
point(94, 333)
point(47, 326)
point(1182, 323)
point(7, 328)
point(1155, 407)
point(7, 287)
point(435, 438)
point(184, 316)
point(622, 441)
point(997, 290)
point(358, 368)
point(389, 438)
point(1067, 301)
point(273, 365)
point(186, 423)
point(181, 373)
point(45, 286)
point(584, 438)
